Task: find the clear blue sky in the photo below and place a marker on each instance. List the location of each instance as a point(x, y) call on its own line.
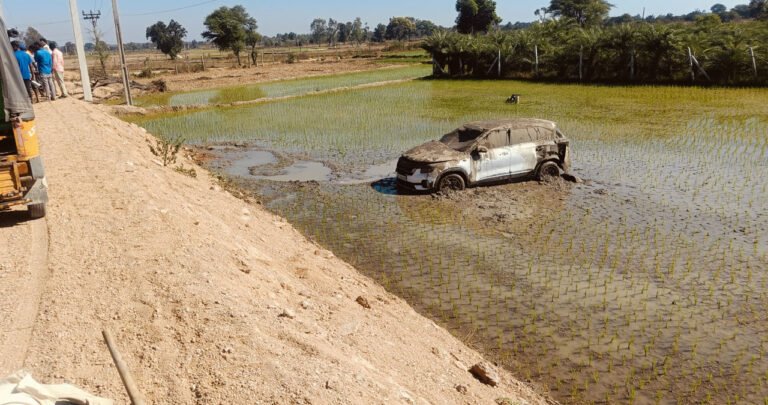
point(51, 17)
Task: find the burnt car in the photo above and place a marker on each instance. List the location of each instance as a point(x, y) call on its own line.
point(485, 152)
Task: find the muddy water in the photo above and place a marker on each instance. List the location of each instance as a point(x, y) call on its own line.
point(647, 285)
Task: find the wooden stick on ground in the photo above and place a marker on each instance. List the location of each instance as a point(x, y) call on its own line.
point(122, 369)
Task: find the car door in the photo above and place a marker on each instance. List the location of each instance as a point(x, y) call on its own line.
point(493, 156)
point(522, 151)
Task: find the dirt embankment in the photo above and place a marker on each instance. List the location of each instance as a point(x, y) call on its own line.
point(212, 300)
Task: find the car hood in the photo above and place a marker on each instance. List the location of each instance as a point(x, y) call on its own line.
point(433, 152)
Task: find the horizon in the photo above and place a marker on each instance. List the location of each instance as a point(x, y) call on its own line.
point(52, 20)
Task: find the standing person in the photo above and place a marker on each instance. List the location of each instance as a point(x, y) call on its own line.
point(25, 66)
point(58, 68)
point(45, 67)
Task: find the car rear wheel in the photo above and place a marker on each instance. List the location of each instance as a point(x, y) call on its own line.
point(548, 169)
point(36, 210)
point(451, 182)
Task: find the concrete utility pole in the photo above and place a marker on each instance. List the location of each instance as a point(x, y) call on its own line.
point(80, 47)
point(124, 67)
point(690, 60)
point(499, 62)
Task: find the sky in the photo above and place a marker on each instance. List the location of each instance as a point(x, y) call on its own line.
point(52, 17)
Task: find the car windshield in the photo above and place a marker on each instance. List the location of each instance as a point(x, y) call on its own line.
point(461, 139)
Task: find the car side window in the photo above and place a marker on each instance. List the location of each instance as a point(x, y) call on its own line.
point(541, 134)
point(546, 134)
point(519, 136)
point(496, 139)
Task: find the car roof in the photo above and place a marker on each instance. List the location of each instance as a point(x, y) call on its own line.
point(510, 123)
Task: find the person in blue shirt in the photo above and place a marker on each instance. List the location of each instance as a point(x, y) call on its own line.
point(25, 62)
point(45, 68)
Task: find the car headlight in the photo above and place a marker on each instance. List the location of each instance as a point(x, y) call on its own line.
point(427, 170)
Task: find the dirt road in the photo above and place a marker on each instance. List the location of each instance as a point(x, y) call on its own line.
point(212, 300)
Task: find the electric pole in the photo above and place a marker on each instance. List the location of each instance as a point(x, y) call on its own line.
point(93, 17)
point(101, 48)
point(80, 47)
point(123, 65)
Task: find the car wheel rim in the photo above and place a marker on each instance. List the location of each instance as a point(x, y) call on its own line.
point(451, 183)
point(551, 171)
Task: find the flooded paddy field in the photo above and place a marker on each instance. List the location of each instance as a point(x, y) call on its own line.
point(284, 88)
point(646, 284)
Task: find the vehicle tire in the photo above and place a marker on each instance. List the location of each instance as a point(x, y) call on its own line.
point(451, 182)
point(36, 210)
point(548, 169)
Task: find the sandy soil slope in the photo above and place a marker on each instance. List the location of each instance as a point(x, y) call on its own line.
point(212, 300)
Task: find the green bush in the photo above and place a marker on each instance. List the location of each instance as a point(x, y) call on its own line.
point(636, 52)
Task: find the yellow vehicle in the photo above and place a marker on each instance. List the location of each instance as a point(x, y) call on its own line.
point(22, 176)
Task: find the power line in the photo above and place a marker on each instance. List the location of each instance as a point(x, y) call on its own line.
point(52, 23)
point(126, 15)
point(173, 9)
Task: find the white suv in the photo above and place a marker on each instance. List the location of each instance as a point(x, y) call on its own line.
point(485, 152)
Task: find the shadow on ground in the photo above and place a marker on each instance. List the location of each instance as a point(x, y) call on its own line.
point(9, 219)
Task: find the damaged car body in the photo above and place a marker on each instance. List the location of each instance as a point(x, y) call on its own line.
point(485, 152)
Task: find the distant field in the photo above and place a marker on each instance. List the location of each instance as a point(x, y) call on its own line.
point(138, 60)
point(284, 88)
point(648, 285)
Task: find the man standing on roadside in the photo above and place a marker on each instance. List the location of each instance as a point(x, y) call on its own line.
point(58, 68)
point(25, 62)
point(45, 68)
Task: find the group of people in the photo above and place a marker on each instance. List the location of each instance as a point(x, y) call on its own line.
point(41, 65)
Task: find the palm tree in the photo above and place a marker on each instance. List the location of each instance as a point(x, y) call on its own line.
point(619, 50)
point(660, 52)
point(729, 60)
point(437, 45)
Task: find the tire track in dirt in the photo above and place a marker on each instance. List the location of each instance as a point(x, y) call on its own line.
point(22, 282)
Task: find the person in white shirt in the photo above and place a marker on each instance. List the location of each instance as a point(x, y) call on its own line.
point(58, 68)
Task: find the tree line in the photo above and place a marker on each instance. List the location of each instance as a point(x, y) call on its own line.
point(233, 29)
point(332, 32)
point(574, 40)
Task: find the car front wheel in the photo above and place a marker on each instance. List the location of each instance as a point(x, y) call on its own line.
point(451, 182)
